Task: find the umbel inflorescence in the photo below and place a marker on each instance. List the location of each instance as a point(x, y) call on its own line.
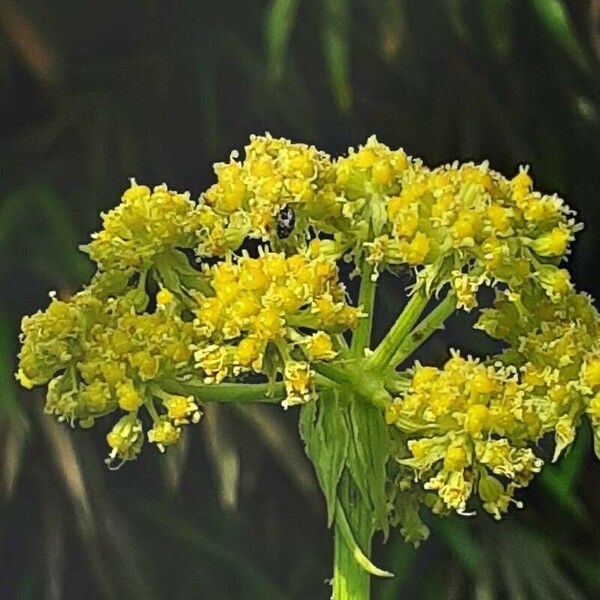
point(238, 297)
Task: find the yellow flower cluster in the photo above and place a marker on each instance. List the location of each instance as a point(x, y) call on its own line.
point(472, 427)
point(461, 224)
point(554, 344)
point(468, 225)
point(152, 321)
point(250, 194)
point(101, 351)
point(254, 316)
point(98, 355)
point(344, 200)
point(145, 224)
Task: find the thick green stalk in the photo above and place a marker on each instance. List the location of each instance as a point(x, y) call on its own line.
point(366, 386)
point(433, 321)
point(350, 580)
point(381, 358)
point(334, 373)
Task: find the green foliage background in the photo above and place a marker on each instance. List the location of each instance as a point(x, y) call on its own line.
point(92, 93)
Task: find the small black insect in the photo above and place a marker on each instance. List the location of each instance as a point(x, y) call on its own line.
point(286, 219)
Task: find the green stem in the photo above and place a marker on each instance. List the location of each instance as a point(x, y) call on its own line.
point(343, 526)
point(369, 386)
point(433, 321)
point(341, 340)
point(336, 374)
point(354, 522)
point(350, 580)
point(244, 393)
point(348, 374)
point(380, 359)
point(361, 338)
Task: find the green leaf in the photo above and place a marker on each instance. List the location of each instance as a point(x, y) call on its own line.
point(456, 16)
point(13, 211)
point(223, 455)
point(279, 23)
point(582, 565)
point(258, 583)
point(497, 17)
point(555, 18)
point(336, 48)
point(368, 454)
point(58, 227)
point(324, 431)
point(535, 562)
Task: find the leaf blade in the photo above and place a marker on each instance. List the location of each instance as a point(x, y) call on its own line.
point(326, 439)
point(279, 23)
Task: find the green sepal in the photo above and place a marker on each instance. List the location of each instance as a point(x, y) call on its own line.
point(174, 271)
point(378, 210)
point(273, 363)
point(324, 431)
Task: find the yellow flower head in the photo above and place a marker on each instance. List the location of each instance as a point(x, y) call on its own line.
point(244, 285)
point(164, 433)
point(298, 384)
point(320, 347)
point(125, 439)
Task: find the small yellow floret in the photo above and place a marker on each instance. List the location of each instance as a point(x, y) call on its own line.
point(24, 380)
point(423, 377)
point(164, 434)
point(248, 352)
point(553, 243)
point(182, 409)
point(499, 218)
point(522, 180)
point(382, 173)
point(269, 324)
point(482, 383)
point(478, 418)
point(164, 297)
point(418, 249)
point(320, 347)
point(455, 459)
point(365, 158)
point(591, 373)
point(128, 397)
point(125, 439)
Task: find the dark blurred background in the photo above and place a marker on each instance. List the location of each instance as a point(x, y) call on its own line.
point(92, 93)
